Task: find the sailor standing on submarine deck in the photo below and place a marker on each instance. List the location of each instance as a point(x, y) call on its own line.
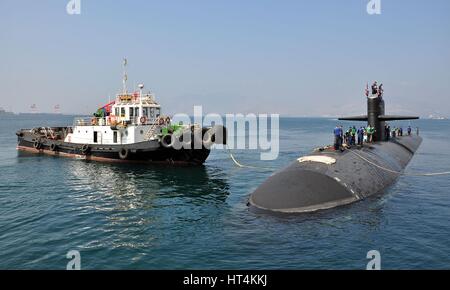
point(337, 137)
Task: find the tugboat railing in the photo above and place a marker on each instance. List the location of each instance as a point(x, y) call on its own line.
point(111, 120)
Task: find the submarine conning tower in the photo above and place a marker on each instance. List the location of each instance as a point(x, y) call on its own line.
point(328, 178)
point(376, 116)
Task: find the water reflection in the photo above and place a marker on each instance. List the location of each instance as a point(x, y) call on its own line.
point(139, 185)
point(135, 205)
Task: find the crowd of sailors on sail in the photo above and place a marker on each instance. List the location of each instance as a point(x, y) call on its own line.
point(354, 136)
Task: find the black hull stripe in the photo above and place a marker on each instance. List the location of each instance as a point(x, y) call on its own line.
point(163, 155)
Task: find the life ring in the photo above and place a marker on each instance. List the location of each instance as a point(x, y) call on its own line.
point(53, 147)
point(85, 149)
point(167, 120)
point(143, 120)
point(37, 144)
point(161, 121)
point(123, 153)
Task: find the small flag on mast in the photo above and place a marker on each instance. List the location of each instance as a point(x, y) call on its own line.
point(367, 90)
point(125, 62)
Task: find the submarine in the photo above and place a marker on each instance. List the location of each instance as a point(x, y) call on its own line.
point(328, 178)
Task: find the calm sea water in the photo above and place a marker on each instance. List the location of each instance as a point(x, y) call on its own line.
point(160, 217)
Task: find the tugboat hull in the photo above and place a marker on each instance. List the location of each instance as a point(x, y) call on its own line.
point(152, 151)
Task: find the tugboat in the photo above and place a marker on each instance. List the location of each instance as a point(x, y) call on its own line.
point(132, 128)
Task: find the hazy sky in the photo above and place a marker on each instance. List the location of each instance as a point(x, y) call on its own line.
point(297, 58)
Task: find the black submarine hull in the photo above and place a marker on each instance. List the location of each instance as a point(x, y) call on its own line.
point(356, 173)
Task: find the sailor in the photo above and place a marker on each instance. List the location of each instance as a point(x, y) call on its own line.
point(409, 130)
point(400, 131)
point(388, 132)
point(353, 134)
point(348, 136)
point(337, 137)
point(361, 136)
point(375, 88)
point(370, 131)
point(380, 91)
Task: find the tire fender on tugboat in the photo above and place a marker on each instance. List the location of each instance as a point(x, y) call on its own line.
point(166, 141)
point(85, 149)
point(123, 153)
point(216, 134)
point(53, 147)
point(37, 144)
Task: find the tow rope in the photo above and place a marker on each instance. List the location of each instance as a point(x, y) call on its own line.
point(238, 164)
point(400, 172)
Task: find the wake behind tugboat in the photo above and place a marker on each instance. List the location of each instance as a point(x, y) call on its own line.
point(129, 129)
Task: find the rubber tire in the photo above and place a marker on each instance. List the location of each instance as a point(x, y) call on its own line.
point(85, 149)
point(123, 153)
point(166, 141)
point(37, 144)
point(53, 147)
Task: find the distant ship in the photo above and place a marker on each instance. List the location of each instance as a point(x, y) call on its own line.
point(131, 128)
point(3, 112)
point(433, 117)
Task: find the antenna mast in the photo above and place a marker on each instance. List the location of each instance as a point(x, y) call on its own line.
point(125, 76)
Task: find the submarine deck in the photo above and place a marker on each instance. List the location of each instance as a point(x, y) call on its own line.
point(329, 178)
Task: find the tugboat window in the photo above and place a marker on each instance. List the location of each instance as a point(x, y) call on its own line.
point(115, 137)
point(122, 112)
point(131, 113)
point(158, 112)
point(152, 113)
point(145, 112)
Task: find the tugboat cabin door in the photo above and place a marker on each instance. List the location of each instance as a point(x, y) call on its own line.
point(95, 137)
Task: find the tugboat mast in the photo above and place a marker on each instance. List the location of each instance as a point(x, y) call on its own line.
point(125, 76)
